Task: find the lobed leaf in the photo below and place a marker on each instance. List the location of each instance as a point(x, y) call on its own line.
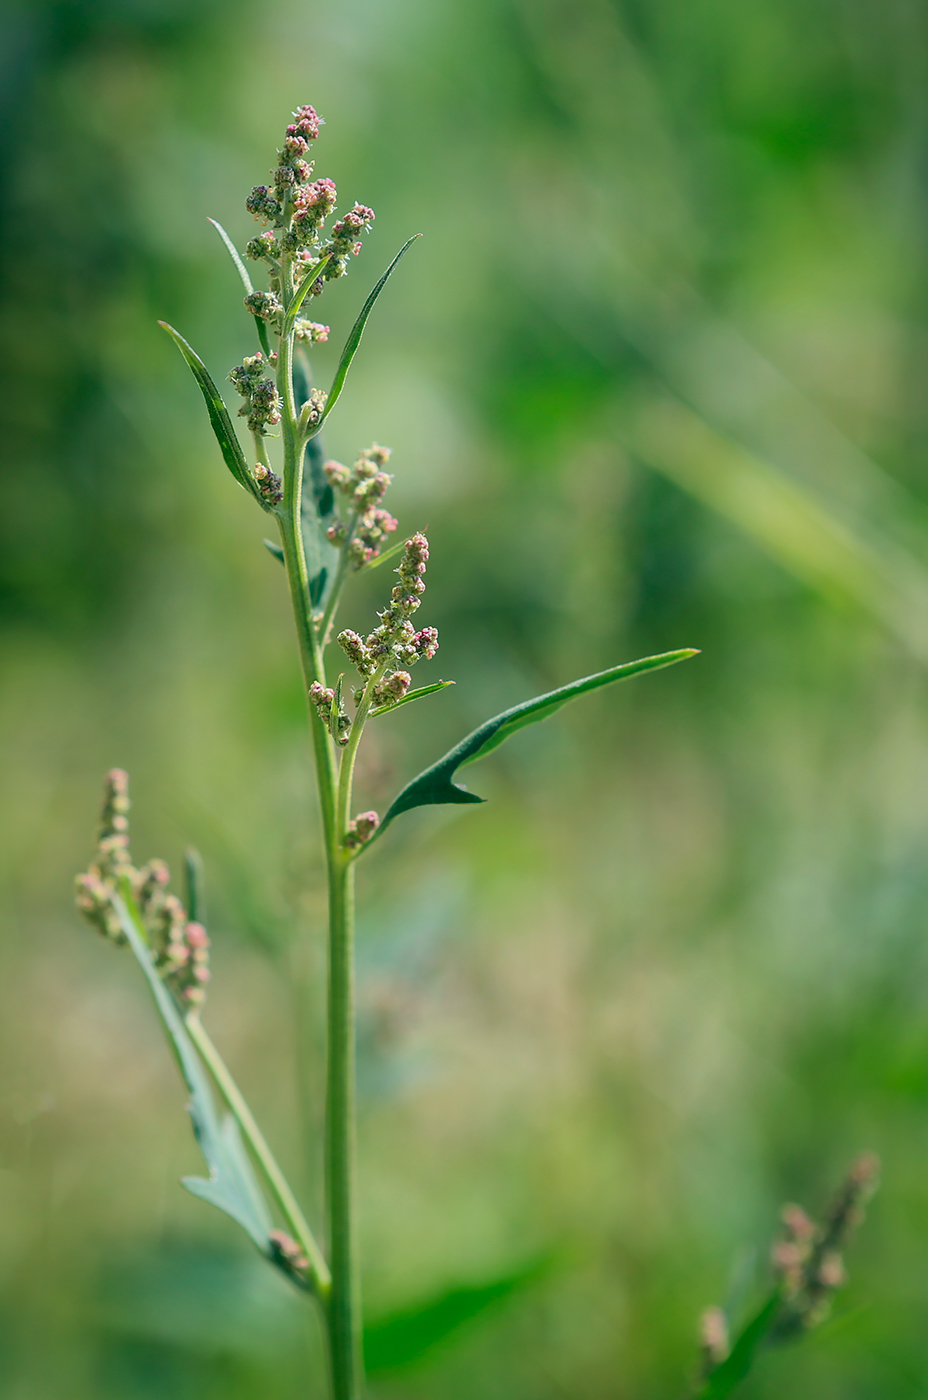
point(231, 1186)
point(221, 423)
point(357, 330)
point(435, 786)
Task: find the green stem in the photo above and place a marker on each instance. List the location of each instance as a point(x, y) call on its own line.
point(341, 573)
point(296, 1221)
point(342, 1310)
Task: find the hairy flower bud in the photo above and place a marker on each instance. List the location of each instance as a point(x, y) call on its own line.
point(361, 829)
point(269, 485)
point(264, 305)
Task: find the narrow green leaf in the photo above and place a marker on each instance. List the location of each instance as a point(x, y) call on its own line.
point(409, 696)
point(234, 255)
point(400, 1339)
point(379, 559)
point(733, 1370)
point(231, 1185)
point(299, 296)
point(194, 885)
point(357, 330)
point(273, 548)
point(220, 421)
point(435, 786)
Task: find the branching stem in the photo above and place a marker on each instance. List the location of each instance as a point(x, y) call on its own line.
point(342, 1306)
point(296, 1221)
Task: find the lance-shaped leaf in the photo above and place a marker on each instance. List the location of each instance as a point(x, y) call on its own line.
point(357, 330)
point(220, 421)
point(435, 786)
point(234, 255)
point(733, 1370)
point(409, 696)
point(260, 327)
point(300, 295)
point(231, 1186)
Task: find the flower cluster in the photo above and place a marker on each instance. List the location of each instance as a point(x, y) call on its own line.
point(329, 707)
point(361, 829)
point(808, 1259)
point(297, 206)
point(289, 1257)
point(180, 947)
point(269, 484)
point(395, 643)
point(262, 401)
point(313, 409)
point(365, 484)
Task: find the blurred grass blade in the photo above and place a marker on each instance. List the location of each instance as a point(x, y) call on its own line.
point(357, 330)
point(435, 786)
point(394, 1342)
point(231, 1186)
point(300, 295)
point(733, 1370)
point(787, 520)
point(234, 255)
point(194, 886)
point(411, 695)
point(220, 421)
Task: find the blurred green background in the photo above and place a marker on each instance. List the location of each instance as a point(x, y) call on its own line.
point(653, 377)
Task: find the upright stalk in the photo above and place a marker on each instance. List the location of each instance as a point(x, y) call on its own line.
point(342, 1306)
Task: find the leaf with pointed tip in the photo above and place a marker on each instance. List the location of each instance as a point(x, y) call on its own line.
point(231, 1185)
point(194, 886)
point(221, 423)
point(400, 1339)
point(733, 1370)
point(410, 695)
point(357, 330)
point(435, 786)
point(390, 553)
point(275, 549)
point(234, 255)
point(299, 296)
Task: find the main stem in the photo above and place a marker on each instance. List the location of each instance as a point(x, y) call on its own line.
point(342, 1308)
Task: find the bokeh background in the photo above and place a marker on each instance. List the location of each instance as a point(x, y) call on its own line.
point(654, 377)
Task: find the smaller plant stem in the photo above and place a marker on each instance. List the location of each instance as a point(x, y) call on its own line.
point(324, 625)
point(344, 1304)
point(296, 1221)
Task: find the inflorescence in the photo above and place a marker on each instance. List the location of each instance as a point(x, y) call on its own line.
point(180, 946)
point(296, 208)
point(395, 643)
point(808, 1260)
point(367, 525)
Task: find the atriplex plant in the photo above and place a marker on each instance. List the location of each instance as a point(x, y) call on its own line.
point(331, 524)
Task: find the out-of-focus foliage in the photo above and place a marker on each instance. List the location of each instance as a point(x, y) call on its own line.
point(654, 377)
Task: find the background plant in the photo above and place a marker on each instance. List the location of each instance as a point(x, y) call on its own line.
point(750, 973)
